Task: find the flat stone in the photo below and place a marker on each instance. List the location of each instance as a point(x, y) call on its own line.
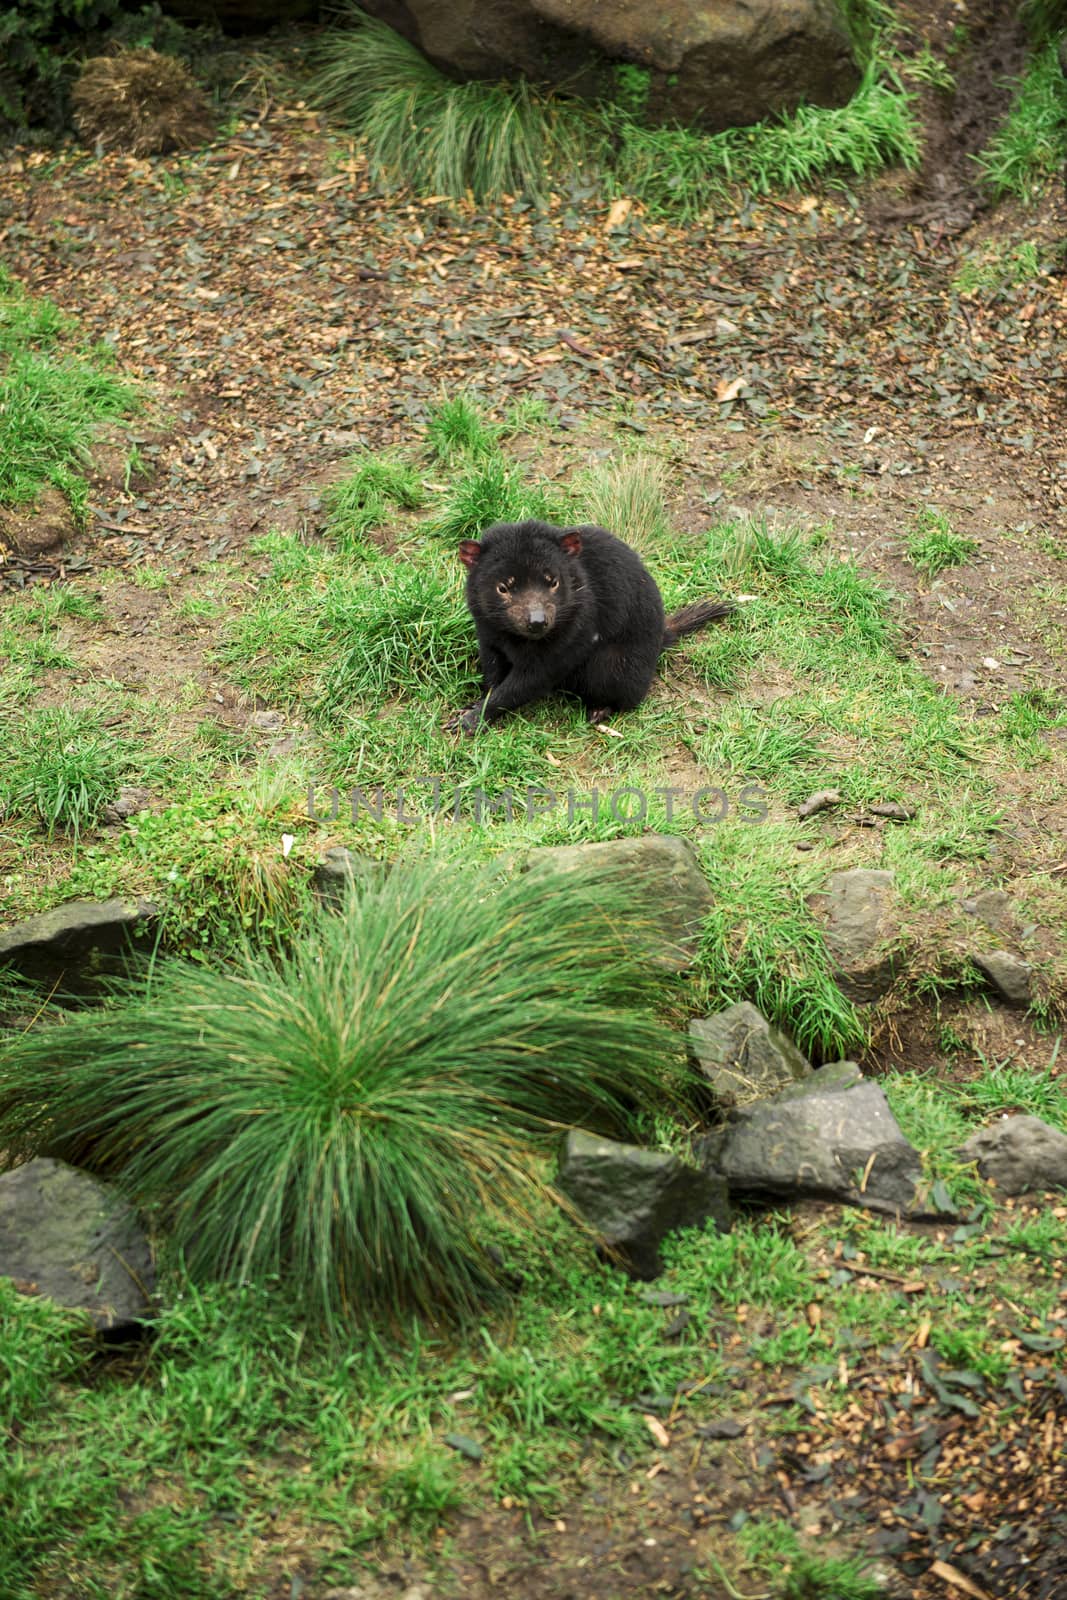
point(129, 801)
point(830, 1143)
point(827, 1079)
point(634, 1197)
point(860, 930)
point(743, 1056)
point(77, 942)
point(67, 1236)
point(338, 870)
point(992, 907)
point(1020, 1154)
point(670, 893)
point(1009, 974)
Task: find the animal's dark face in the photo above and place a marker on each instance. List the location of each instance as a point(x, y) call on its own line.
point(523, 579)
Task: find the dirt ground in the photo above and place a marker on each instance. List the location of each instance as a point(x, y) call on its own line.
point(284, 313)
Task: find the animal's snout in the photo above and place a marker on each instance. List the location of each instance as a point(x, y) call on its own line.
point(537, 618)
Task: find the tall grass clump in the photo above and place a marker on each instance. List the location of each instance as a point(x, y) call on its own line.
point(492, 490)
point(352, 1114)
point(50, 402)
point(457, 428)
point(1030, 147)
point(436, 136)
point(62, 768)
point(629, 498)
point(1044, 18)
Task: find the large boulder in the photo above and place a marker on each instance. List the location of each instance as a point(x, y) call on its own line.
point(742, 1056)
point(1020, 1154)
point(74, 1239)
point(713, 63)
point(718, 63)
point(830, 1137)
point(860, 930)
point(77, 942)
point(669, 892)
point(634, 1197)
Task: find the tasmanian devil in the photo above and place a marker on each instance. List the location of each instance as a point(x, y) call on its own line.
point(566, 609)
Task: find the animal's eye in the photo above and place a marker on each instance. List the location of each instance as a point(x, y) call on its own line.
point(553, 583)
point(502, 589)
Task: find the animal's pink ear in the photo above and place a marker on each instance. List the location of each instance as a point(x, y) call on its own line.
point(469, 551)
point(571, 543)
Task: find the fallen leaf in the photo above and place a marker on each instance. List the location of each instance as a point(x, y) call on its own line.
point(618, 214)
point(726, 390)
point(656, 1429)
point(959, 1580)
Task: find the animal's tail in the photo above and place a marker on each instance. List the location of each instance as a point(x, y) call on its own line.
point(694, 616)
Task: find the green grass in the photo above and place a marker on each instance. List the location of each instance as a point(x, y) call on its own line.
point(214, 863)
point(246, 1429)
point(760, 942)
point(457, 427)
point(62, 768)
point(345, 1113)
point(363, 498)
point(1030, 147)
point(999, 268)
point(54, 394)
point(440, 137)
point(491, 489)
point(1044, 17)
point(1004, 1087)
point(679, 172)
point(778, 1551)
point(934, 545)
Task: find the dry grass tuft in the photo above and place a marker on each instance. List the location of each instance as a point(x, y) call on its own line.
point(142, 102)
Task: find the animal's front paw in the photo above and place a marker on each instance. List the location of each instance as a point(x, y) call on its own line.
point(468, 721)
point(599, 714)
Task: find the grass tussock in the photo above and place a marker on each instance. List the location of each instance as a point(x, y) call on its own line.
point(363, 499)
point(351, 1114)
point(436, 136)
point(629, 498)
point(934, 545)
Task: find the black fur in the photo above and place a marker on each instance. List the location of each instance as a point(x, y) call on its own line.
point(571, 609)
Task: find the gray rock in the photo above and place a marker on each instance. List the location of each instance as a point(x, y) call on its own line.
point(833, 1076)
point(670, 892)
point(992, 906)
point(711, 64)
point(75, 943)
point(634, 1197)
point(70, 1237)
point(1009, 975)
point(127, 803)
point(337, 871)
point(742, 1056)
point(826, 1142)
point(860, 931)
point(1019, 1154)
